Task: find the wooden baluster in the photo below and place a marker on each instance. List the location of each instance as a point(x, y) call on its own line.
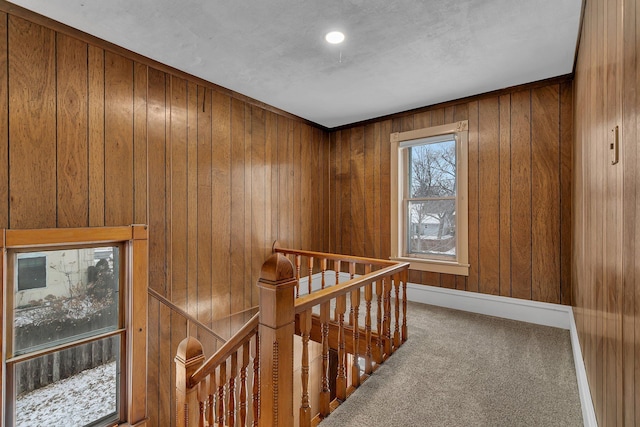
point(336, 266)
point(243, 384)
point(298, 262)
point(387, 316)
point(189, 357)
point(211, 387)
point(201, 422)
point(222, 380)
point(231, 418)
point(310, 267)
point(325, 393)
point(405, 277)
point(352, 270)
point(341, 381)
point(355, 310)
point(368, 294)
point(323, 269)
point(305, 331)
point(256, 381)
point(379, 318)
point(396, 332)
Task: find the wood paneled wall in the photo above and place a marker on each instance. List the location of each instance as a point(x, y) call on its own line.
point(91, 135)
point(605, 261)
point(519, 190)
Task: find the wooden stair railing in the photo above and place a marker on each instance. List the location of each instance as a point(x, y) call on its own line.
point(207, 391)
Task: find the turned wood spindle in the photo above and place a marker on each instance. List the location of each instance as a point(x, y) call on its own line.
point(231, 418)
point(222, 380)
point(305, 331)
point(243, 384)
point(379, 319)
point(355, 309)
point(387, 317)
point(405, 276)
point(396, 332)
point(325, 393)
point(310, 268)
point(341, 381)
point(368, 294)
point(323, 269)
point(256, 381)
point(298, 264)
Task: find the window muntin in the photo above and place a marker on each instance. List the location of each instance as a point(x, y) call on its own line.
point(429, 181)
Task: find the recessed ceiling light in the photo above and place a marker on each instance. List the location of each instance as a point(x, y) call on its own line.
point(334, 37)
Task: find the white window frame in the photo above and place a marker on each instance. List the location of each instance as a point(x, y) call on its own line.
point(399, 176)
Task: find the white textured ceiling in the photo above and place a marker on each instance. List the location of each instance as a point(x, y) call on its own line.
point(398, 54)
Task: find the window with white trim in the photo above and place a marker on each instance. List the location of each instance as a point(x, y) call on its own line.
point(429, 198)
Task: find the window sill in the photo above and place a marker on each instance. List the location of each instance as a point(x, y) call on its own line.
point(435, 266)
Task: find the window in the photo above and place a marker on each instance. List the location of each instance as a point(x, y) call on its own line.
point(70, 349)
point(429, 198)
point(32, 272)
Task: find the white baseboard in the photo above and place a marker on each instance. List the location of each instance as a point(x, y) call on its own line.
point(555, 315)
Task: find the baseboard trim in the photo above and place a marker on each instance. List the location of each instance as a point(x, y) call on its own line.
point(555, 315)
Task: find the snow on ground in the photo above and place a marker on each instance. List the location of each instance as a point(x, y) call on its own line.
point(75, 401)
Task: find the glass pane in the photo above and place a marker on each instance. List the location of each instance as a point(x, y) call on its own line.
point(77, 386)
point(432, 228)
point(77, 296)
point(432, 170)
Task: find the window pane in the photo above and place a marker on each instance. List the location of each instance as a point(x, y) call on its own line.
point(79, 299)
point(432, 228)
point(32, 273)
point(77, 386)
point(432, 170)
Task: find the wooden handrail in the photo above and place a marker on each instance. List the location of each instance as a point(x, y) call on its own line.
point(327, 294)
point(184, 314)
point(335, 257)
point(241, 337)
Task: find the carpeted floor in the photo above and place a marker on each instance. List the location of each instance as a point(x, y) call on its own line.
point(465, 369)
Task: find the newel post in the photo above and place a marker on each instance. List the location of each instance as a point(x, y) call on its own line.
point(189, 357)
point(277, 327)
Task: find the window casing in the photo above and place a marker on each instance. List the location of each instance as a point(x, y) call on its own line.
point(429, 204)
point(84, 336)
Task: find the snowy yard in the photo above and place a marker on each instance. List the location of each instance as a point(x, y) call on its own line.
point(75, 401)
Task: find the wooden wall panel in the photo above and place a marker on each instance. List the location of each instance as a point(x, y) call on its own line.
point(489, 174)
point(118, 124)
point(511, 135)
point(545, 193)
point(101, 138)
point(604, 264)
point(96, 135)
point(72, 144)
point(4, 125)
point(156, 110)
point(32, 125)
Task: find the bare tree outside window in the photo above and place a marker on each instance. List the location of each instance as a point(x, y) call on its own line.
point(431, 202)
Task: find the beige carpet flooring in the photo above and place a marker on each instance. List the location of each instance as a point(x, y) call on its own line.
point(464, 369)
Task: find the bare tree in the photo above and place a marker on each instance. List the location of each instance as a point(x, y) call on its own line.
point(433, 176)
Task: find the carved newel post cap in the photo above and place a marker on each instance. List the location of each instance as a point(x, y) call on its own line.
point(189, 351)
point(277, 268)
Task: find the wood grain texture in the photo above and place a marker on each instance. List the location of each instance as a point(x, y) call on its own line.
point(156, 142)
point(72, 144)
point(500, 189)
point(204, 210)
point(32, 152)
point(192, 198)
point(96, 135)
point(140, 172)
point(4, 125)
point(489, 176)
point(604, 221)
point(118, 130)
